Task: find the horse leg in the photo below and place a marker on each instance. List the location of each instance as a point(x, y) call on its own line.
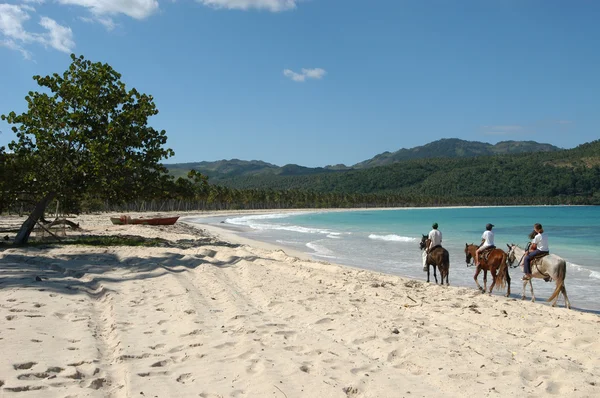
point(435, 274)
point(564, 292)
point(493, 272)
point(508, 283)
point(477, 271)
point(532, 295)
point(524, 287)
point(428, 273)
point(484, 280)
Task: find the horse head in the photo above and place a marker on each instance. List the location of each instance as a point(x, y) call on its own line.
point(423, 243)
point(468, 255)
point(511, 257)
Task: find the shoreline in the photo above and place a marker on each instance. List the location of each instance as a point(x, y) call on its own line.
point(235, 233)
point(212, 316)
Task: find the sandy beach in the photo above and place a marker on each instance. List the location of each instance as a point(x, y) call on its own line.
point(208, 314)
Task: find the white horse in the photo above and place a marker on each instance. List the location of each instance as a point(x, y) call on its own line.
point(549, 266)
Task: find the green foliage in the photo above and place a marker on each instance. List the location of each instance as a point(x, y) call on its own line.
point(445, 148)
point(546, 176)
point(86, 133)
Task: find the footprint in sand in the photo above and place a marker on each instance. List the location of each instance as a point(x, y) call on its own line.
point(363, 340)
point(33, 376)
point(24, 388)
point(159, 364)
point(322, 321)
point(225, 345)
point(26, 365)
point(154, 347)
point(184, 377)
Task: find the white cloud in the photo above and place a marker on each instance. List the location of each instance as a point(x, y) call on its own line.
point(138, 9)
point(271, 5)
point(14, 46)
point(12, 18)
point(15, 36)
point(316, 73)
point(58, 36)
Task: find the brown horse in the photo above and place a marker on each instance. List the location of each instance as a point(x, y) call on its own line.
point(438, 257)
point(495, 262)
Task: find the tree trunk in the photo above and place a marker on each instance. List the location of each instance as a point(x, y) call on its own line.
point(36, 214)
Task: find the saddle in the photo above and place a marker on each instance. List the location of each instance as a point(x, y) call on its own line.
point(484, 254)
point(537, 259)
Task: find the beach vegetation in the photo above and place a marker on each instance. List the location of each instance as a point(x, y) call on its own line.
point(84, 133)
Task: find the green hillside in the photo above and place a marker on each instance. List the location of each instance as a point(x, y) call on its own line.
point(445, 148)
point(574, 172)
point(456, 148)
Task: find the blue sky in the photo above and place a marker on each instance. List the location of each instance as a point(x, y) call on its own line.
point(317, 82)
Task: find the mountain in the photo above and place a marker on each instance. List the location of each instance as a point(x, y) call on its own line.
point(224, 168)
point(568, 173)
point(444, 148)
point(455, 148)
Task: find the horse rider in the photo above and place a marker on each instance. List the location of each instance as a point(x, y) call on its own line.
point(487, 241)
point(538, 246)
point(435, 238)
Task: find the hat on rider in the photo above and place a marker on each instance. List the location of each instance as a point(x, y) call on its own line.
point(489, 226)
point(434, 226)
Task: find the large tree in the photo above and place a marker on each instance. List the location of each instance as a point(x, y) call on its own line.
point(87, 134)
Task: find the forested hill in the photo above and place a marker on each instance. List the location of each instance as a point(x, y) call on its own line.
point(455, 148)
point(445, 148)
point(568, 173)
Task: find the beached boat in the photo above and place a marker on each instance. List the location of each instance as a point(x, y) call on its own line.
point(123, 220)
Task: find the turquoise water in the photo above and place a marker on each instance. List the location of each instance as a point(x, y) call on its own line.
point(387, 240)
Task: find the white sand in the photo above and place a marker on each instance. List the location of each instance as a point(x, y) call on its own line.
point(224, 320)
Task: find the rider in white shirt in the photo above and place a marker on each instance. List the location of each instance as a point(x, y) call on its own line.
point(435, 240)
point(487, 241)
point(435, 237)
point(538, 245)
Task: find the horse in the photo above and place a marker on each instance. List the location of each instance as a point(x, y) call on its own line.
point(495, 262)
point(438, 257)
point(548, 267)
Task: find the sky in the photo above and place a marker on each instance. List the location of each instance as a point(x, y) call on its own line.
point(323, 82)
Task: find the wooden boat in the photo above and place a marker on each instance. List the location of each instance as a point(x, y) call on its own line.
point(123, 220)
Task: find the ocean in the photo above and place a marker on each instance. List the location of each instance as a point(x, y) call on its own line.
point(387, 240)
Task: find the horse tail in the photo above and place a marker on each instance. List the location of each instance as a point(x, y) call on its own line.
point(501, 275)
point(561, 273)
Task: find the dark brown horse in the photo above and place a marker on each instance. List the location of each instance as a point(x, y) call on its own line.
point(438, 257)
point(495, 262)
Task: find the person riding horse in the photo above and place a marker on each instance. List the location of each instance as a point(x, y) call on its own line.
point(435, 238)
point(487, 242)
point(539, 246)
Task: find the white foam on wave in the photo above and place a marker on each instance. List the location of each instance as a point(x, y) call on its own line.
point(254, 222)
point(286, 242)
point(392, 238)
point(595, 275)
point(320, 251)
point(246, 220)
